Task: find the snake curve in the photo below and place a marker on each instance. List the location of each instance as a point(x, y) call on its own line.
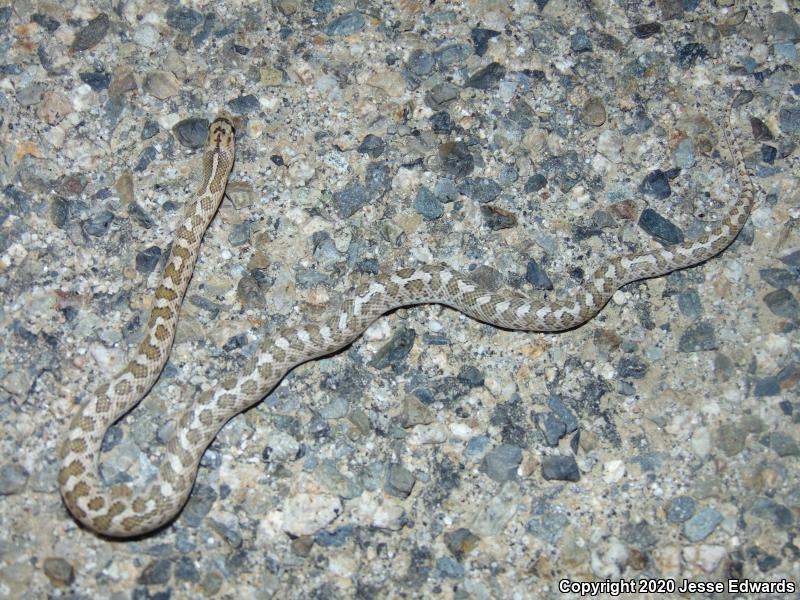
point(121, 511)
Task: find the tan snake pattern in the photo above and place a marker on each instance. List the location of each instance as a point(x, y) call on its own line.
point(121, 511)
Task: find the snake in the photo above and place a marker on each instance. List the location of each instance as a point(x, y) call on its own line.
point(121, 510)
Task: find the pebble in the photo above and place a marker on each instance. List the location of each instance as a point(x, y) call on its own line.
point(347, 24)
point(245, 104)
point(92, 34)
point(552, 427)
point(306, 514)
point(501, 463)
point(420, 62)
point(460, 542)
point(13, 479)
point(183, 18)
point(456, 159)
point(97, 225)
point(774, 512)
point(395, 350)
point(783, 27)
point(480, 39)
point(782, 303)
point(147, 259)
point(486, 78)
point(680, 509)
point(97, 80)
point(191, 133)
point(656, 184)
point(198, 506)
point(413, 412)
point(631, 367)
point(690, 53)
point(161, 84)
point(701, 525)
point(498, 511)
point(58, 571)
point(660, 228)
point(646, 30)
point(535, 183)
point(580, 42)
point(428, 205)
point(440, 95)
point(399, 481)
point(789, 119)
point(497, 218)
point(441, 122)
point(480, 189)
point(761, 131)
point(567, 170)
point(594, 112)
point(447, 567)
point(472, 376)
point(451, 54)
point(350, 199)
point(372, 145)
point(782, 444)
point(46, 22)
point(560, 468)
point(157, 572)
point(698, 337)
point(53, 107)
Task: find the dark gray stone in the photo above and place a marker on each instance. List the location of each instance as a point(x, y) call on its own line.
point(13, 479)
point(183, 19)
point(690, 53)
point(783, 304)
point(399, 481)
point(441, 94)
point(631, 367)
point(140, 216)
point(560, 468)
point(441, 122)
point(157, 572)
point(487, 77)
point(393, 352)
point(97, 225)
point(451, 54)
point(346, 24)
point(580, 42)
point(147, 156)
point(656, 184)
point(92, 34)
point(783, 27)
point(372, 145)
point(199, 504)
point(480, 189)
point(456, 159)
point(245, 104)
point(150, 129)
point(552, 427)
point(698, 337)
point(498, 218)
point(646, 30)
point(147, 259)
point(46, 22)
point(537, 277)
point(501, 463)
point(680, 509)
point(97, 80)
point(449, 568)
point(660, 228)
point(701, 525)
point(428, 205)
point(420, 62)
point(336, 538)
point(789, 119)
point(191, 133)
point(350, 199)
point(778, 514)
point(460, 542)
point(480, 39)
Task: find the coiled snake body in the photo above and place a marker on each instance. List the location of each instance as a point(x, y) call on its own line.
point(121, 511)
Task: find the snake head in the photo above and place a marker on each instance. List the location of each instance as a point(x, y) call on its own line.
point(221, 135)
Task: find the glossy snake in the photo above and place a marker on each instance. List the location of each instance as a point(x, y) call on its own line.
point(122, 511)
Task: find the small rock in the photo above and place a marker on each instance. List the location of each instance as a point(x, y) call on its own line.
point(680, 509)
point(480, 39)
point(646, 30)
point(471, 376)
point(53, 107)
point(245, 104)
point(660, 228)
point(480, 189)
point(395, 350)
point(783, 27)
point(631, 367)
point(580, 42)
point(413, 412)
point(161, 84)
point(428, 205)
point(783, 304)
point(698, 337)
point(535, 183)
point(441, 122)
point(441, 94)
point(456, 159)
point(560, 468)
point(46, 22)
point(306, 514)
point(789, 119)
point(690, 53)
point(183, 19)
point(157, 572)
point(761, 132)
point(147, 259)
point(58, 571)
point(487, 77)
point(12, 479)
point(594, 112)
point(447, 567)
point(701, 525)
point(372, 145)
point(537, 277)
point(501, 463)
point(399, 481)
point(656, 184)
point(346, 24)
point(97, 80)
point(140, 216)
point(199, 504)
point(97, 225)
point(497, 218)
point(782, 444)
point(460, 542)
point(192, 132)
point(350, 199)
point(92, 33)
point(420, 62)
point(552, 427)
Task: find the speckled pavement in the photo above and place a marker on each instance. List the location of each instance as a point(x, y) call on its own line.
point(654, 449)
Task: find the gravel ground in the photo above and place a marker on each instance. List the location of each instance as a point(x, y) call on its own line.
point(522, 142)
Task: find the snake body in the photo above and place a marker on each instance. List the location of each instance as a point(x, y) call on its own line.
point(121, 511)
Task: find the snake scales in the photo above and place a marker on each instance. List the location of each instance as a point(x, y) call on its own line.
point(121, 511)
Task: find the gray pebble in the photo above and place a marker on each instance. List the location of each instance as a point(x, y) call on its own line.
point(480, 39)
point(497, 218)
point(476, 446)
point(140, 216)
point(535, 183)
point(560, 410)
point(91, 35)
point(414, 412)
point(783, 27)
point(245, 104)
point(480, 189)
point(335, 409)
point(683, 156)
point(157, 572)
point(445, 190)
point(782, 444)
point(689, 304)
point(146, 156)
point(501, 463)
point(393, 352)
point(97, 225)
point(761, 131)
point(783, 304)
point(346, 24)
point(59, 212)
point(567, 170)
point(460, 542)
point(350, 199)
point(537, 277)
point(97, 80)
point(239, 234)
point(451, 55)
point(662, 229)
point(560, 468)
point(594, 112)
point(58, 571)
point(680, 509)
point(31, 94)
point(778, 514)
point(698, 337)
point(508, 175)
point(192, 132)
point(441, 122)
point(441, 94)
point(372, 145)
point(580, 42)
point(12, 479)
point(420, 62)
point(231, 535)
point(487, 77)
point(656, 184)
point(789, 119)
point(548, 521)
point(470, 375)
point(183, 19)
point(449, 568)
point(646, 30)
point(147, 259)
point(399, 481)
point(5, 15)
point(150, 129)
point(186, 570)
point(552, 427)
point(631, 367)
point(701, 525)
point(377, 180)
point(690, 53)
point(200, 502)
